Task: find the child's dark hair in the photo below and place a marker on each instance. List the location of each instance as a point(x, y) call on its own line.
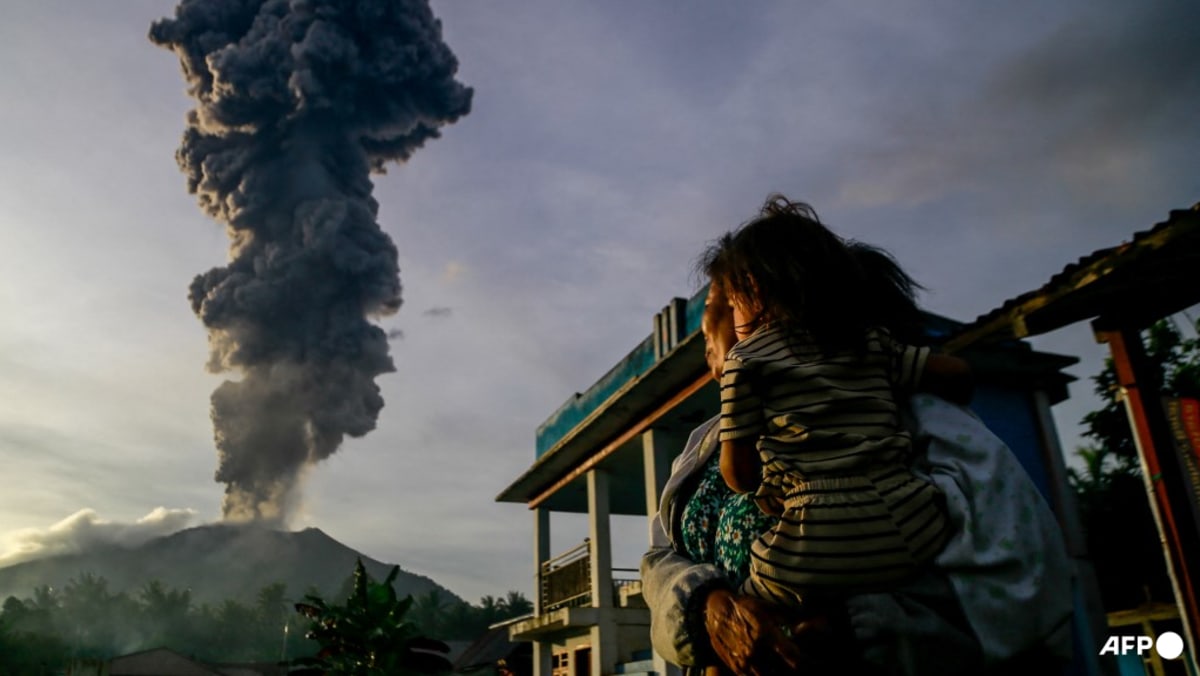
point(796, 272)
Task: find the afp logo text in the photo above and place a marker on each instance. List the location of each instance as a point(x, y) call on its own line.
point(1169, 645)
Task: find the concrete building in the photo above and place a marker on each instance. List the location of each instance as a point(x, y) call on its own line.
point(608, 451)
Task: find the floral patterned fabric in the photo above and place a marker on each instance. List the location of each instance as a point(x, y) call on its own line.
point(738, 522)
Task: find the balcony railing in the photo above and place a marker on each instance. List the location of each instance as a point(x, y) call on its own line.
point(566, 580)
point(627, 577)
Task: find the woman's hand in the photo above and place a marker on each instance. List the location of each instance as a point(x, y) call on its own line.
point(749, 636)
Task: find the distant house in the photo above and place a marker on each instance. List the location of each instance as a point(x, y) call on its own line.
point(608, 451)
point(156, 662)
point(493, 651)
point(166, 662)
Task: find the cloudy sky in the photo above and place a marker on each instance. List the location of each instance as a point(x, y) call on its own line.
point(986, 145)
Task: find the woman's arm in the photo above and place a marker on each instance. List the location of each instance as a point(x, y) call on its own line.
point(696, 619)
point(676, 590)
point(949, 378)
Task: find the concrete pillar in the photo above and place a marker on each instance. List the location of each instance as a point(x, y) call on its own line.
point(605, 647)
point(600, 537)
point(603, 634)
point(659, 448)
point(542, 651)
point(541, 553)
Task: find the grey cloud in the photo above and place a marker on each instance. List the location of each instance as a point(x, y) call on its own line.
point(85, 529)
point(1091, 109)
point(1117, 83)
point(439, 312)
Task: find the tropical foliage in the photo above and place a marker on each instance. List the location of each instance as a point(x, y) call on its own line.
point(85, 619)
point(369, 634)
point(1122, 537)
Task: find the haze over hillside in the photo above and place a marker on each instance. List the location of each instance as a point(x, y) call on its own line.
point(216, 562)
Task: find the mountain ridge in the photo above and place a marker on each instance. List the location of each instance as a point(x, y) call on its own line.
point(216, 562)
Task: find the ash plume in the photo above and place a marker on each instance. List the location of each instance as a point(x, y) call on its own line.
point(297, 102)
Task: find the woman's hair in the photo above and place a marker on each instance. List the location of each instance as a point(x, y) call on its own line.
point(788, 268)
point(891, 294)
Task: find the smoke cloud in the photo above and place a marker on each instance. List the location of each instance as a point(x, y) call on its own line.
point(297, 102)
point(85, 530)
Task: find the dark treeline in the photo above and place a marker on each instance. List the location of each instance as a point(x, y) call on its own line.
point(86, 620)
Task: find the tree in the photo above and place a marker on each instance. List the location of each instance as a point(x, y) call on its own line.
point(1177, 356)
point(166, 614)
point(368, 635)
point(1122, 537)
point(92, 615)
point(273, 612)
point(8, 642)
point(429, 613)
point(236, 633)
point(86, 619)
point(515, 605)
point(28, 642)
point(490, 610)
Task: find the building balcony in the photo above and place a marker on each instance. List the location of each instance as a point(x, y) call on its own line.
point(568, 604)
point(565, 581)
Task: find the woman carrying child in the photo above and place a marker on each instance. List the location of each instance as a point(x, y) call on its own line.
point(984, 607)
point(811, 399)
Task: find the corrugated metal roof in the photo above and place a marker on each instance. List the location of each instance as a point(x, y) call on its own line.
point(1172, 246)
point(487, 650)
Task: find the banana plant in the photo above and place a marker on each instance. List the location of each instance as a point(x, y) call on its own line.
point(368, 634)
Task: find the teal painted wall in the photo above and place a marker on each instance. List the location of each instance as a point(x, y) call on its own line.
point(576, 409)
point(580, 406)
